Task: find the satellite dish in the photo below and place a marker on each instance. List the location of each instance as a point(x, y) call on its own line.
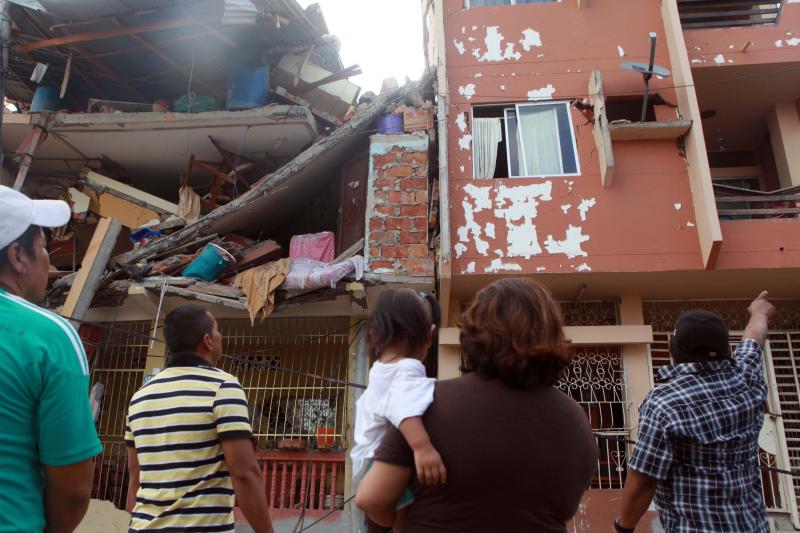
point(644, 68)
point(647, 70)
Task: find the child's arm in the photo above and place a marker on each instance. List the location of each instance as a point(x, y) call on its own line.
point(430, 469)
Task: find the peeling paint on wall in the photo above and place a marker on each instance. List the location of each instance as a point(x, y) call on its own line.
point(719, 59)
point(583, 267)
point(779, 43)
point(566, 207)
point(478, 75)
point(518, 206)
point(540, 269)
point(584, 207)
point(544, 93)
point(470, 268)
point(494, 46)
point(793, 42)
point(465, 142)
point(461, 168)
point(477, 201)
point(489, 230)
point(530, 38)
point(461, 122)
point(467, 91)
point(498, 265)
point(677, 206)
point(571, 245)
point(503, 88)
point(459, 46)
point(621, 51)
point(690, 224)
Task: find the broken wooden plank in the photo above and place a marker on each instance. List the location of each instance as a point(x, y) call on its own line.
point(129, 214)
point(92, 268)
point(104, 184)
point(207, 298)
point(350, 252)
point(216, 289)
point(649, 131)
point(600, 131)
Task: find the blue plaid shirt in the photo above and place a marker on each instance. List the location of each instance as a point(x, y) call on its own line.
point(698, 436)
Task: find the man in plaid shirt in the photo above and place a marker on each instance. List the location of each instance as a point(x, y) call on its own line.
point(697, 450)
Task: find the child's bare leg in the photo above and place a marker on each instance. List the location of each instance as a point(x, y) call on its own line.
point(400, 520)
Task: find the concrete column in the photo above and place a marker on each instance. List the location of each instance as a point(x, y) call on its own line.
point(783, 122)
point(449, 362)
point(636, 361)
point(357, 372)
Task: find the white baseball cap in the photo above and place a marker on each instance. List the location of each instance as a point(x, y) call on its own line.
point(18, 213)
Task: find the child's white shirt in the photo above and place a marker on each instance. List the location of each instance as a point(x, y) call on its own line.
point(395, 391)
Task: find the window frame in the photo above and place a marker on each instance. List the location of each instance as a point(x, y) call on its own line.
point(522, 164)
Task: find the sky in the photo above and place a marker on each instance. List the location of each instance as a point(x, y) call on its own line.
point(383, 36)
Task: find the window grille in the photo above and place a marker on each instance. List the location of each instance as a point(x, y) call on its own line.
point(595, 379)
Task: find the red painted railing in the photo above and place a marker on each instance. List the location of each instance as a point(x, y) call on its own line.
point(301, 479)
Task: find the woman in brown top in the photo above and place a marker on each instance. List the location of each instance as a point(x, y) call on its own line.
point(519, 453)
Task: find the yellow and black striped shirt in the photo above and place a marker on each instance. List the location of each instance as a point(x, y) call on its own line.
point(177, 422)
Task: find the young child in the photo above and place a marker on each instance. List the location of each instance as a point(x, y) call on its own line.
point(399, 331)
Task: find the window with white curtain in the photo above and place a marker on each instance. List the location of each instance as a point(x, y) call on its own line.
point(535, 140)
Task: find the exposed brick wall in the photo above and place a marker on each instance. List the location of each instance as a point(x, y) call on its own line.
point(397, 212)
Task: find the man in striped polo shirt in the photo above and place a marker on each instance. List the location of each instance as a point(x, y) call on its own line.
point(189, 438)
point(47, 433)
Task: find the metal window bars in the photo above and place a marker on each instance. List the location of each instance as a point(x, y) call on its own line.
point(595, 379)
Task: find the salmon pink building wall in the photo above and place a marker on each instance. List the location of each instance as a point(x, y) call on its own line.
point(522, 53)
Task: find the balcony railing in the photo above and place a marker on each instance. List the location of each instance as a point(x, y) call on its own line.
point(725, 13)
point(735, 203)
point(294, 480)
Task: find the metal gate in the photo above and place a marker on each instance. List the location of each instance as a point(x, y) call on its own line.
point(116, 364)
point(595, 379)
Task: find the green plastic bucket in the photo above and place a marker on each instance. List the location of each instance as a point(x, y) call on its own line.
point(211, 262)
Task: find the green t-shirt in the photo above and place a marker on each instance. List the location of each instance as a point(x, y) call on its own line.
point(45, 417)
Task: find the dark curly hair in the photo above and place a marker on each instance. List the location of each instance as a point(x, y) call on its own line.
point(402, 317)
point(513, 331)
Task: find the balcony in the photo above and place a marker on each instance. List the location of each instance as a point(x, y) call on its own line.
point(728, 13)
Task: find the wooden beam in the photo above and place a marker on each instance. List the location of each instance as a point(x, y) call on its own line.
point(104, 34)
point(601, 132)
point(92, 267)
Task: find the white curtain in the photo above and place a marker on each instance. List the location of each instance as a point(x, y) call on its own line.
point(486, 135)
point(539, 146)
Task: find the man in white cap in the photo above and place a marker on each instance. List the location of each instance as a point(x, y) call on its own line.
point(47, 433)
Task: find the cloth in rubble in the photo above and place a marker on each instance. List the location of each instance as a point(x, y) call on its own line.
point(307, 274)
point(188, 204)
point(316, 246)
point(259, 285)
